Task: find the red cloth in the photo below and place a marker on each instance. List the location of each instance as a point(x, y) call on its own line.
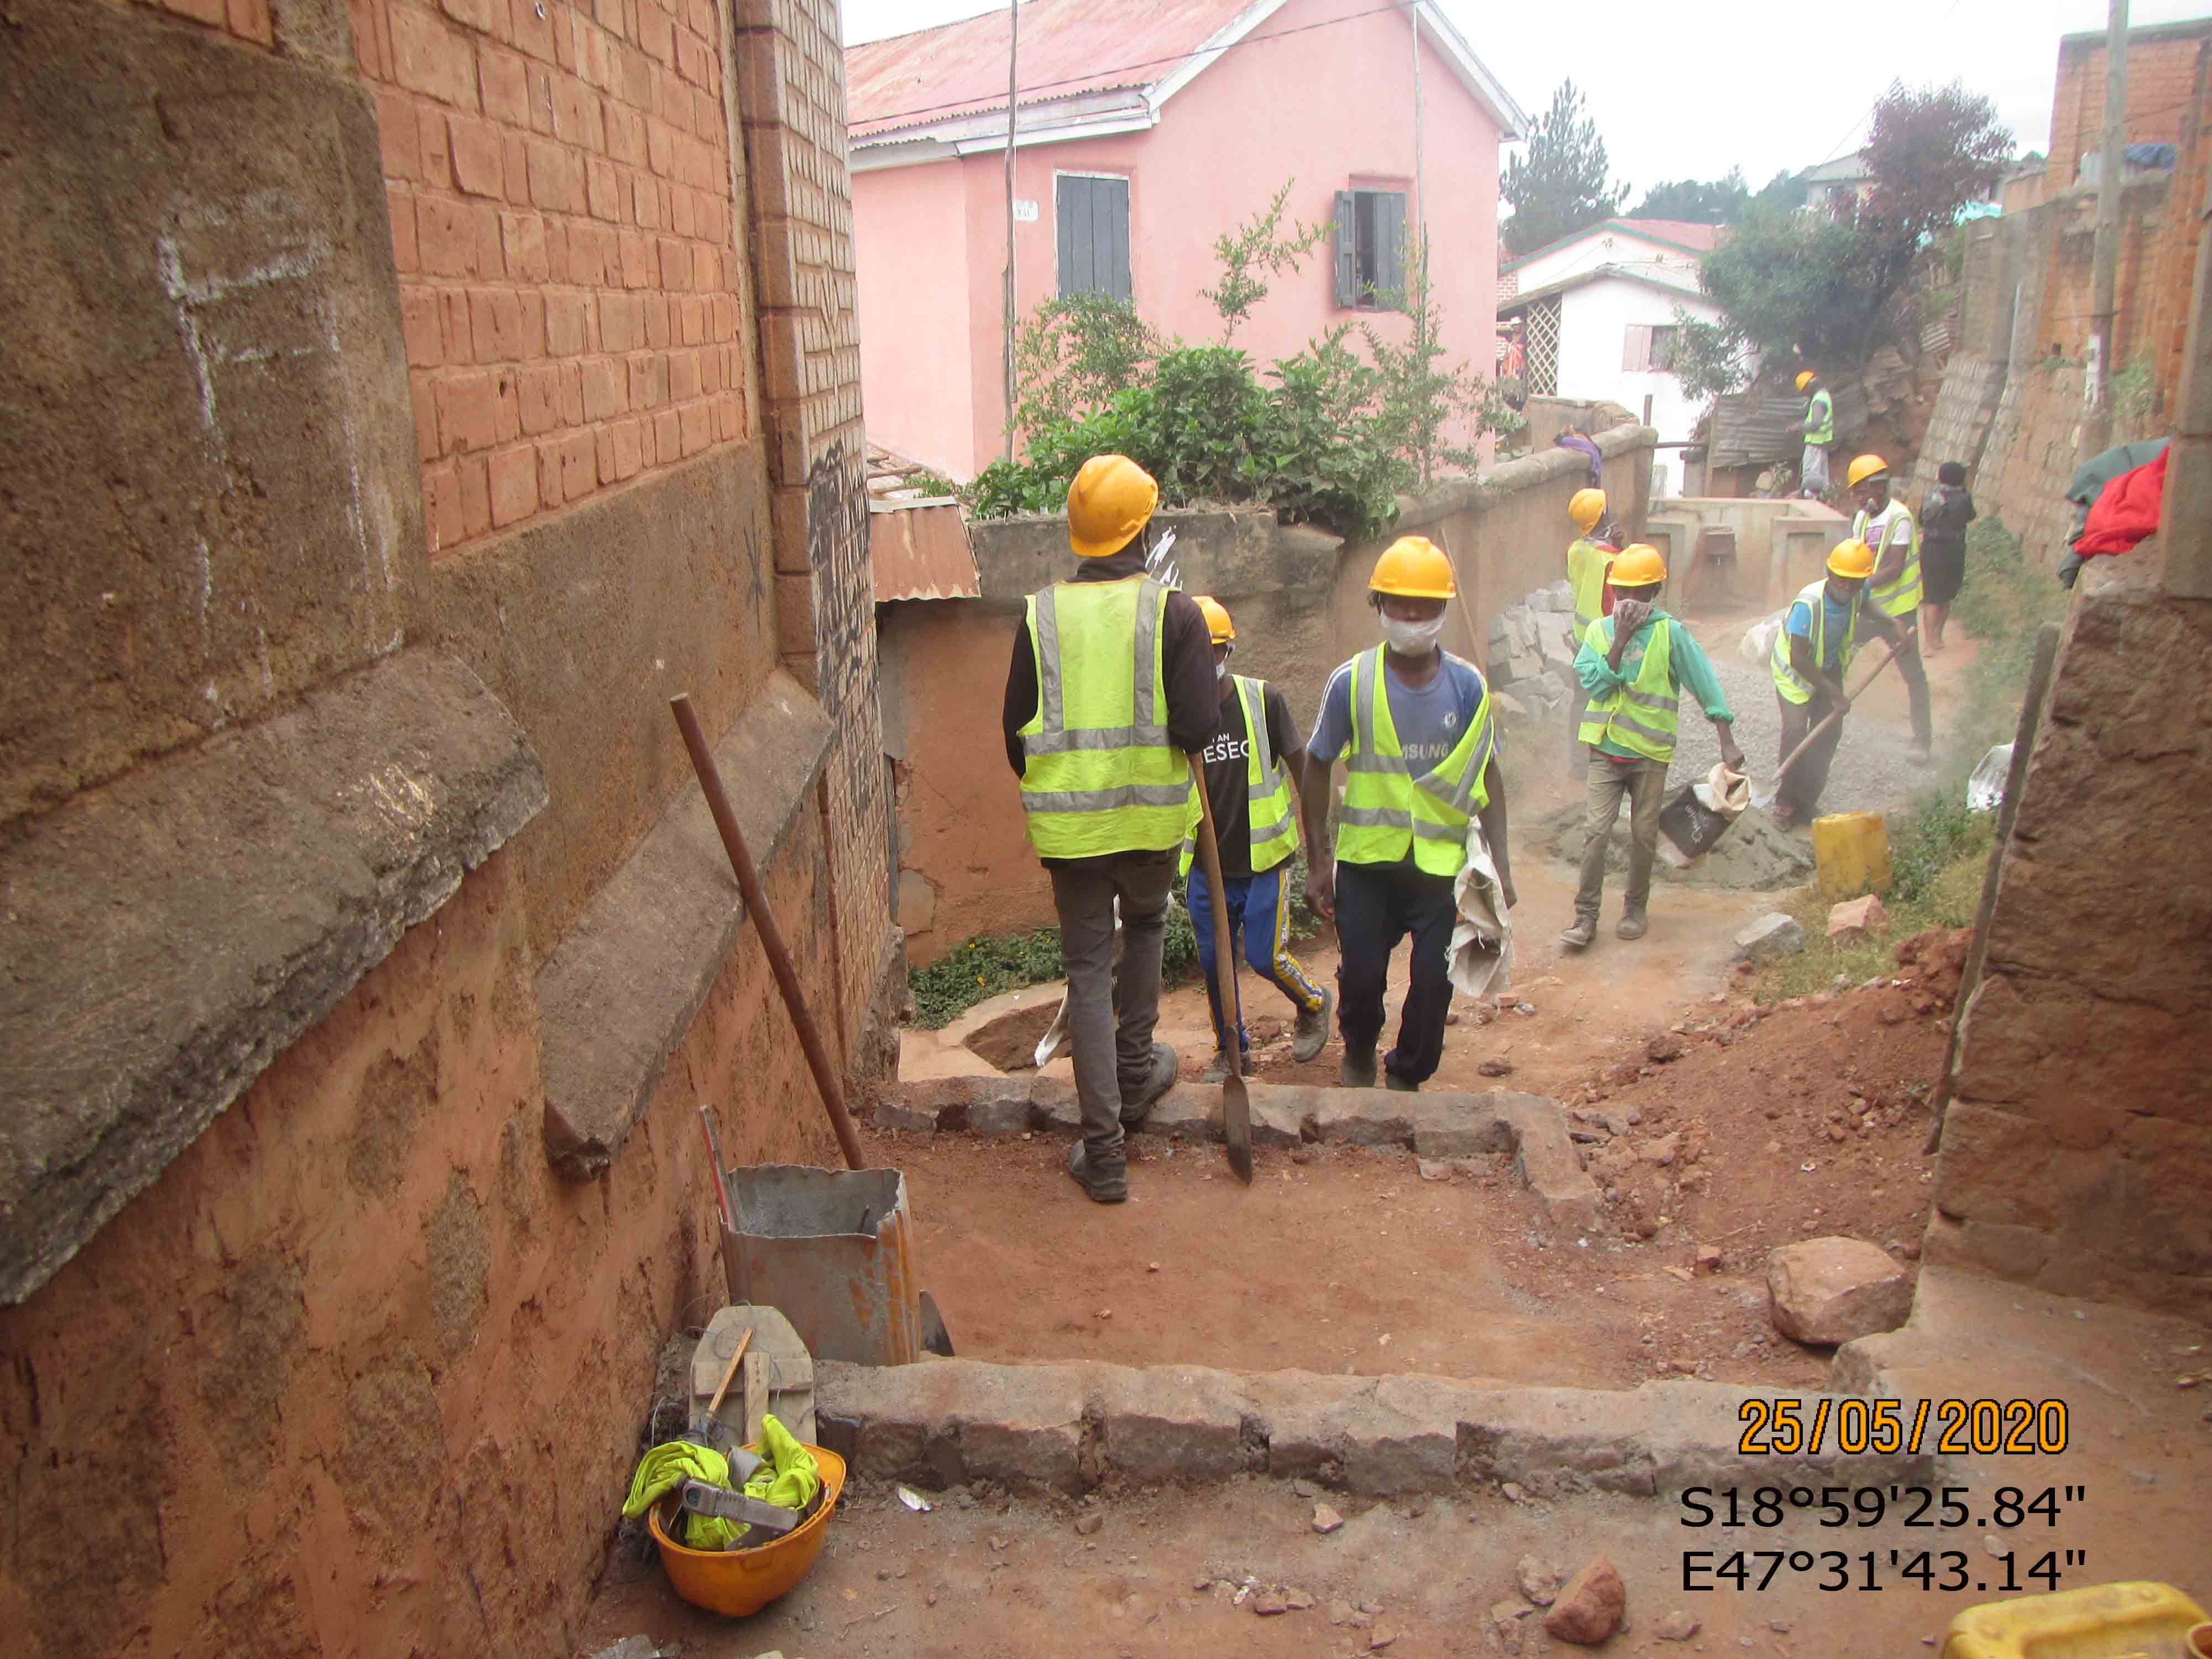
point(2127, 511)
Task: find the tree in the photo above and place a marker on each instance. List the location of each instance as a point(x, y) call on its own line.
point(1720, 203)
point(1259, 248)
point(1560, 185)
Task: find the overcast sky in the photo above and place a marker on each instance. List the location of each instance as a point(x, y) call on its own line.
point(1690, 91)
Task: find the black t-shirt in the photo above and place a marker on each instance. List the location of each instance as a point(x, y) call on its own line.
point(1228, 777)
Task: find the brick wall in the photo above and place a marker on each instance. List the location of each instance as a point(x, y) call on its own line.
point(560, 182)
point(2163, 65)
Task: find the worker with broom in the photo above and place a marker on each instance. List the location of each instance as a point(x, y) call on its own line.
point(1111, 688)
point(1812, 652)
point(1886, 524)
point(1588, 557)
point(1636, 666)
point(1413, 723)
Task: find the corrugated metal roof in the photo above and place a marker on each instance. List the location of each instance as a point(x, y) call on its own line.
point(917, 546)
point(1748, 428)
point(1682, 233)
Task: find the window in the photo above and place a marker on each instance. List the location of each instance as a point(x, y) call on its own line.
point(1649, 348)
point(1370, 250)
point(1093, 233)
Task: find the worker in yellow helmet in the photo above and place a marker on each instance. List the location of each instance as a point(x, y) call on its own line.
point(1635, 666)
point(1820, 636)
point(1886, 524)
point(1111, 688)
point(1413, 724)
point(1250, 765)
point(1819, 427)
point(1588, 557)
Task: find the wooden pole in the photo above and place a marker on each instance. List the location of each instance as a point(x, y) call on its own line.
point(1013, 65)
point(2105, 259)
point(2185, 520)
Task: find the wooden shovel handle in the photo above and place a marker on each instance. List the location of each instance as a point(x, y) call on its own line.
point(1829, 719)
point(1228, 996)
point(730, 1370)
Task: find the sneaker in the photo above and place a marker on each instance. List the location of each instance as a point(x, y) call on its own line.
point(1631, 924)
point(1918, 755)
point(1158, 1082)
point(1391, 1080)
point(1310, 1035)
point(1356, 1071)
point(1583, 931)
point(1217, 1070)
point(1102, 1186)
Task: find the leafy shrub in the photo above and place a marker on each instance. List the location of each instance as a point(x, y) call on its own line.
point(981, 968)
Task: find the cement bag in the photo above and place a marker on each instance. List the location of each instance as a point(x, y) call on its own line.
point(1481, 963)
point(1758, 646)
point(1699, 815)
point(1985, 789)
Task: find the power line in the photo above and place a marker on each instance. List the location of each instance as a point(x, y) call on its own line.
point(982, 105)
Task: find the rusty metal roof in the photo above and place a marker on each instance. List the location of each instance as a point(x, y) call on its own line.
point(1748, 428)
point(918, 545)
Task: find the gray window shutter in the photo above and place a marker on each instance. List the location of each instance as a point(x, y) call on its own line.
point(1070, 221)
point(1091, 222)
point(1636, 351)
point(1347, 231)
point(1112, 198)
point(1390, 249)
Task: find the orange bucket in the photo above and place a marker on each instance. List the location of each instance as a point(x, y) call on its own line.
point(742, 1582)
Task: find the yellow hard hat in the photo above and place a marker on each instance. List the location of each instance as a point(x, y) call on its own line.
point(1851, 558)
point(1108, 504)
point(1413, 568)
point(1587, 507)
point(1218, 628)
point(1862, 468)
point(1805, 378)
point(1638, 566)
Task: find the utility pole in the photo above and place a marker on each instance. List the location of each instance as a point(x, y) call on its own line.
point(2105, 270)
point(2184, 532)
point(1013, 82)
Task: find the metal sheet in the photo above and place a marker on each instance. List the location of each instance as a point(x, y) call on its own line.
point(834, 1250)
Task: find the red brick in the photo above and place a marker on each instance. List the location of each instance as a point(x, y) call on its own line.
point(655, 310)
point(506, 408)
point(523, 237)
point(579, 466)
point(472, 14)
point(475, 473)
point(698, 430)
point(491, 252)
point(430, 59)
point(513, 485)
point(574, 255)
point(396, 137)
point(576, 115)
point(626, 135)
point(629, 451)
point(683, 373)
point(533, 301)
point(648, 380)
point(372, 45)
point(659, 146)
point(674, 263)
point(667, 438)
point(602, 455)
point(418, 323)
point(538, 392)
point(567, 324)
point(441, 506)
point(211, 12)
point(707, 121)
point(468, 413)
point(479, 164)
point(618, 322)
point(710, 370)
point(602, 192)
point(564, 39)
point(729, 417)
point(453, 314)
point(556, 252)
point(723, 325)
point(547, 455)
point(400, 207)
point(647, 448)
point(422, 400)
point(656, 32)
point(637, 266)
point(533, 26)
point(249, 20)
point(608, 13)
point(604, 394)
point(690, 57)
point(647, 209)
point(430, 135)
point(557, 176)
point(597, 57)
point(681, 218)
point(505, 89)
point(690, 320)
point(445, 237)
point(572, 394)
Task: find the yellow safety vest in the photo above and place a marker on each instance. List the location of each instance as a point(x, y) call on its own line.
point(1587, 564)
point(1821, 411)
point(1099, 774)
point(1387, 811)
point(1273, 828)
point(1639, 714)
point(1901, 597)
point(1787, 680)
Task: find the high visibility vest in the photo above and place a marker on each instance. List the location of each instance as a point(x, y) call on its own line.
point(1640, 714)
point(1387, 810)
point(1274, 826)
point(1900, 597)
point(1587, 564)
point(1821, 411)
point(1787, 680)
point(1099, 775)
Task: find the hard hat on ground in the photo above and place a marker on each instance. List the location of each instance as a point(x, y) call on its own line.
point(1805, 378)
point(1587, 507)
point(1862, 468)
point(1108, 504)
point(1851, 558)
point(1218, 628)
point(1414, 568)
point(1638, 566)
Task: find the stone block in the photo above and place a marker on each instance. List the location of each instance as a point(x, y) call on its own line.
point(1021, 1424)
point(1365, 1117)
point(1771, 936)
point(1161, 1423)
point(1302, 1416)
point(1544, 1159)
point(1590, 1608)
point(1054, 1106)
point(1828, 1290)
point(1404, 1438)
point(1464, 1125)
point(1855, 921)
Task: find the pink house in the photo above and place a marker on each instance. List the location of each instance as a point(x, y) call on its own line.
point(1143, 132)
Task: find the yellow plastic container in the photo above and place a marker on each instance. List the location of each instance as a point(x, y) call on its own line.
point(1850, 854)
point(2106, 1621)
point(742, 1582)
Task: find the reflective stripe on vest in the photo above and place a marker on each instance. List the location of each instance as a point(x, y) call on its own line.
point(1587, 564)
point(1787, 680)
point(1099, 774)
point(1386, 810)
point(1821, 411)
point(1272, 827)
point(1640, 714)
point(1901, 597)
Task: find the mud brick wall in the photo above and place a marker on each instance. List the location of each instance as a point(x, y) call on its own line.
point(2164, 64)
point(2077, 1149)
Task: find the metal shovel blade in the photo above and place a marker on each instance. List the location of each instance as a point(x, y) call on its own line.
point(1236, 1125)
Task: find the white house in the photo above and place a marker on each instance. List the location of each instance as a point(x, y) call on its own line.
point(1598, 312)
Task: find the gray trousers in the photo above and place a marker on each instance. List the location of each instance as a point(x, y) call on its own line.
point(1111, 1059)
point(1644, 783)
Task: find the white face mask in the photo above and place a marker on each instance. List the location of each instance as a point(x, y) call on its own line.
point(1221, 671)
point(1411, 639)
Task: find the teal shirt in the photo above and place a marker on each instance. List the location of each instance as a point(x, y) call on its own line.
point(1687, 663)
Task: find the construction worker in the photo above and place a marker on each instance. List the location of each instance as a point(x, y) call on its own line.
point(1588, 557)
point(1111, 687)
point(1819, 427)
point(1413, 723)
point(1635, 666)
point(1820, 636)
point(1886, 524)
point(1249, 763)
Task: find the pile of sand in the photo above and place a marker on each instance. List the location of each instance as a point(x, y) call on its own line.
point(1756, 853)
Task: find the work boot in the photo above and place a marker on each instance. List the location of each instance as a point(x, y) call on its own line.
point(1158, 1082)
point(1402, 1086)
point(1310, 1035)
point(1630, 926)
point(1102, 1185)
point(1217, 1069)
point(1357, 1069)
point(1918, 755)
point(1583, 931)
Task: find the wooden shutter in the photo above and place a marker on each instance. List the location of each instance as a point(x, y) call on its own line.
point(1347, 258)
point(1091, 225)
point(1635, 352)
point(1390, 249)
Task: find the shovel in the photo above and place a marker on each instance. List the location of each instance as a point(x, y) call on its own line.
point(1236, 1101)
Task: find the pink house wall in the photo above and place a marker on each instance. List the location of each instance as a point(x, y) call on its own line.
point(1332, 109)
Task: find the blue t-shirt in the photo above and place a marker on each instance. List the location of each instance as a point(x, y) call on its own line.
point(1834, 622)
point(1430, 721)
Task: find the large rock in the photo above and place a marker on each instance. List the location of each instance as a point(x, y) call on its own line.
point(1771, 936)
point(1857, 920)
point(1589, 1608)
point(1829, 1290)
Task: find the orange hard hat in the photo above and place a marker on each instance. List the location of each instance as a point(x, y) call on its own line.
point(1862, 468)
point(1637, 566)
point(1108, 504)
point(1218, 628)
point(1414, 568)
point(1852, 558)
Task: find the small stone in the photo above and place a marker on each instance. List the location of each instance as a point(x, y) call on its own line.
point(1857, 920)
point(1508, 1615)
point(1152, 1267)
point(1993, 1545)
point(1297, 1600)
point(1306, 1489)
point(1830, 1291)
point(1779, 1627)
point(1267, 1604)
point(1677, 1627)
point(1837, 1134)
point(1513, 1492)
point(931, 1598)
point(1341, 1613)
point(1105, 1313)
point(1301, 1157)
point(1663, 1151)
point(997, 1542)
point(1087, 1525)
point(1494, 1068)
point(1326, 1520)
point(1664, 1047)
point(1589, 1609)
point(1709, 1258)
point(1433, 1168)
point(1770, 936)
point(1381, 1638)
point(1538, 1583)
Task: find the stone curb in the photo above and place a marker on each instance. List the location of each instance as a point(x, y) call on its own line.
point(943, 1422)
point(1439, 1124)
